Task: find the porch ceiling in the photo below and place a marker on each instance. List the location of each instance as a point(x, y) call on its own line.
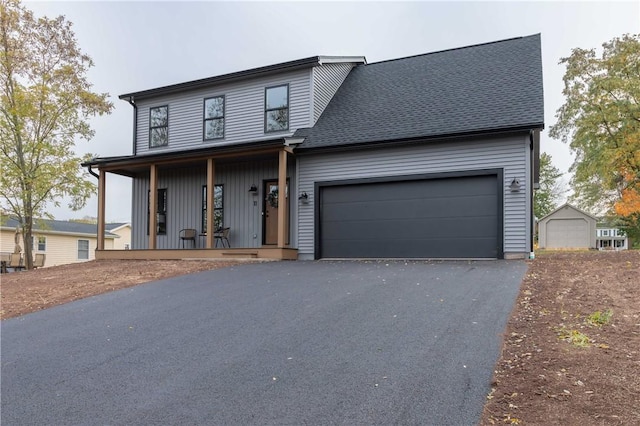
point(135, 165)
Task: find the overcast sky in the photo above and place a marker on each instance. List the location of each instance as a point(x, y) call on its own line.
point(141, 45)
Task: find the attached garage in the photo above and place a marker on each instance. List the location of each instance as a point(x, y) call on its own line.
point(433, 216)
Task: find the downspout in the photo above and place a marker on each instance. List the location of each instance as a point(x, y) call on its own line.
point(531, 185)
point(135, 124)
point(91, 172)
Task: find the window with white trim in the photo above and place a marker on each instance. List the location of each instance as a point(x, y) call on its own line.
point(83, 249)
point(39, 243)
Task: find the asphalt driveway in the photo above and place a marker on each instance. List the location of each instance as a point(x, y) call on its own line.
point(286, 343)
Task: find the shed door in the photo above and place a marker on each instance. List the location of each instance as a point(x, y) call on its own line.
point(567, 233)
point(433, 218)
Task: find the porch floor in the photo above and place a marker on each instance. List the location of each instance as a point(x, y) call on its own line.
point(191, 254)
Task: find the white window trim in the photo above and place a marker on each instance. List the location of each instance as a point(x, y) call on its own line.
point(88, 249)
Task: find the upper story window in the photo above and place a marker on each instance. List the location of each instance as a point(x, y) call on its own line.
point(214, 118)
point(276, 108)
point(158, 126)
point(605, 232)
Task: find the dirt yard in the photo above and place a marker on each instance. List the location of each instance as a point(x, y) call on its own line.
point(571, 352)
point(30, 291)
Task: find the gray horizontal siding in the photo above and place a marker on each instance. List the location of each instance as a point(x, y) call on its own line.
point(327, 79)
point(244, 113)
point(508, 154)
point(184, 199)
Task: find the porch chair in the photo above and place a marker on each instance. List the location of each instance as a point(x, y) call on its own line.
point(223, 236)
point(38, 262)
point(188, 234)
point(16, 261)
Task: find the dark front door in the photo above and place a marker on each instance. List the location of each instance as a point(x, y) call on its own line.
point(270, 219)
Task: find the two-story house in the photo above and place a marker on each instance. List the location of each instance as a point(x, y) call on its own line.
point(610, 238)
point(429, 156)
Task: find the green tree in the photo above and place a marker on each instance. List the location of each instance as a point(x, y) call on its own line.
point(46, 103)
point(546, 198)
point(601, 120)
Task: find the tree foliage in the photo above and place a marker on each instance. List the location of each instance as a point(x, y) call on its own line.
point(546, 198)
point(46, 103)
point(601, 120)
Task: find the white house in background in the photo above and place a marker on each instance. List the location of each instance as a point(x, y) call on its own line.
point(64, 242)
point(610, 238)
point(567, 227)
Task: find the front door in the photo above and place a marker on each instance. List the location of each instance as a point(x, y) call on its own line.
point(270, 219)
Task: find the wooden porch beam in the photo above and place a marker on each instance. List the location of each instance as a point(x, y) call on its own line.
point(153, 205)
point(211, 184)
point(183, 160)
point(102, 183)
point(282, 198)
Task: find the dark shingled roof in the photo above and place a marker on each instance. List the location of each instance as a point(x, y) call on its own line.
point(60, 226)
point(477, 89)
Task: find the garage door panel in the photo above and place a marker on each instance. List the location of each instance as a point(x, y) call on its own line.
point(412, 208)
point(451, 217)
point(443, 248)
point(568, 233)
point(423, 228)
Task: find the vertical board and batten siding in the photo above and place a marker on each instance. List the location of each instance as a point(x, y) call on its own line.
point(507, 153)
point(327, 79)
point(184, 202)
point(244, 112)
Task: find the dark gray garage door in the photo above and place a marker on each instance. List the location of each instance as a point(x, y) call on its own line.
point(431, 218)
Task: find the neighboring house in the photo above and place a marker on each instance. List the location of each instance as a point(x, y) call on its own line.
point(62, 242)
point(610, 238)
point(429, 156)
point(567, 227)
point(122, 230)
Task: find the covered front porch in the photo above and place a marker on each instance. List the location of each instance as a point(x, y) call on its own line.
point(205, 191)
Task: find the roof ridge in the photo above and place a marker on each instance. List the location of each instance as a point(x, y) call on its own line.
point(453, 48)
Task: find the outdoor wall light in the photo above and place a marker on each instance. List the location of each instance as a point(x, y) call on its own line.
point(253, 190)
point(304, 198)
point(515, 185)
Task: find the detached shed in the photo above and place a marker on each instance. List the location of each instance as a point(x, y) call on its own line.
point(567, 227)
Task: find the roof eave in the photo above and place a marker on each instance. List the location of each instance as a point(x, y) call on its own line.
point(431, 138)
point(225, 78)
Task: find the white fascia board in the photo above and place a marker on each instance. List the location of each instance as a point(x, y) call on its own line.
point(341, 59)
point(293, 141)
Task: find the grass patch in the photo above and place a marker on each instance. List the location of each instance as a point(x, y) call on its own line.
point(575, 337)
point(599, 318)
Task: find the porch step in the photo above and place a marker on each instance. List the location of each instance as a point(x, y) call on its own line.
point(241, 254)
